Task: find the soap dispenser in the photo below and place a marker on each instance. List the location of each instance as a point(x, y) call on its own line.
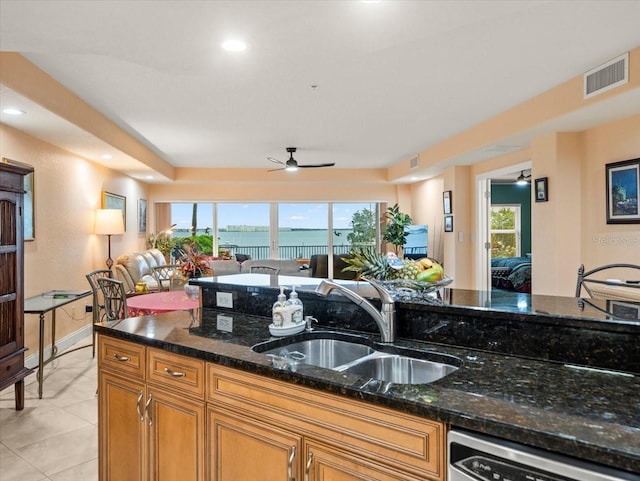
point(280, 312)
point(295, 307)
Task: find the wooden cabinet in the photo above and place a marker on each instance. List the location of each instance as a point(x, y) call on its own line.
point(151, 414)
point(12, 369)
point(343, 439)
point(244, 448)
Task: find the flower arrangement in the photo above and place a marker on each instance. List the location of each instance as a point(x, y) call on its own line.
point(192, 262)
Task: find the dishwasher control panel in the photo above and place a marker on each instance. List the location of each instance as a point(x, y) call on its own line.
point(485, 468)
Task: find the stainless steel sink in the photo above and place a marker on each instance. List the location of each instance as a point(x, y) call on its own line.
point(354, 355)
point(327, 353)
point(399, 369)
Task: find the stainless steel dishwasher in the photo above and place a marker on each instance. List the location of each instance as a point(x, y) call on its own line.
point(476, 457)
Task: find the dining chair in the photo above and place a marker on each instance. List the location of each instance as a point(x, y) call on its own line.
point(98, 300)
point(274, 271)
point(165, 276)
point(115, 298)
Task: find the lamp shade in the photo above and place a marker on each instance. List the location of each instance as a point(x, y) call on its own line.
point(109, 222)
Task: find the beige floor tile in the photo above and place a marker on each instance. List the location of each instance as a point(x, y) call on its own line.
point(87, 410)
point(14, 468)
point(83, 472)
point(62, 452)
point(35, 424)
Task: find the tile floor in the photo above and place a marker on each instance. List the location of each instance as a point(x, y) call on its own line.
point(54, 438)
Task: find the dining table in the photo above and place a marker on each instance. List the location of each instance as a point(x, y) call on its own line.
point(158, 302)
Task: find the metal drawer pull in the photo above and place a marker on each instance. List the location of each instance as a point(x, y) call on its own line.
point(147, 411)
point(174, 373)
point(292, 454)
point(121, 358)
point(138, 406)
point(308, 466)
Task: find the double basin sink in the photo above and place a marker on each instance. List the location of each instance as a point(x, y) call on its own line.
point(356, 355)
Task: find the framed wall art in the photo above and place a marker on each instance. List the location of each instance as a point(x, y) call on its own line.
point(115, 201)
point(446, 202)
point(623, 179)
point(142, 216)
point(542, 194)
point(448, 223)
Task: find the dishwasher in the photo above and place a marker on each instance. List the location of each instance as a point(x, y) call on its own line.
point(476, 457)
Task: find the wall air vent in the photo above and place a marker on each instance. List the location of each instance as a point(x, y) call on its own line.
point(413, 163)
point(607, 76)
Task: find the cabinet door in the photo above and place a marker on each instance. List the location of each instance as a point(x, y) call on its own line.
point(242, 449)
point(176, 437)
point(121, 429)
point(323, 463)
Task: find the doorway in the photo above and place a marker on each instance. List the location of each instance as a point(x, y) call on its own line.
point(500, 184)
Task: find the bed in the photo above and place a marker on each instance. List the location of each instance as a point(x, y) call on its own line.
point(511, 274)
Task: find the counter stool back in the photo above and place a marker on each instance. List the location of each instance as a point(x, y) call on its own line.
point(115, 298)
point(98, 301)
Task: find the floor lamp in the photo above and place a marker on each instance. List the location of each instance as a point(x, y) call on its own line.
point(109, 222)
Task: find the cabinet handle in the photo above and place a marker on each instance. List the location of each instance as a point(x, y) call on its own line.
point(308, 466)
point(292, 454)
point(170, 372)
point(121, 358)
point(138, 406)
point(147, 411)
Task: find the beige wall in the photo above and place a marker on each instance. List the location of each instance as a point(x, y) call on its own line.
point(67, 192)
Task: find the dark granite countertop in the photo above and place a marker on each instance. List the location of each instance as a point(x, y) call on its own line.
point(589, 414)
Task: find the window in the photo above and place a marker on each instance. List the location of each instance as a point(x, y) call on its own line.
point(505, 230)
point(284, 230)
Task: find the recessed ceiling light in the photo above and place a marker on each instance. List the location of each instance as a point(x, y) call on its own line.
point(107, 157)
point(13, 111)
point(234, 45)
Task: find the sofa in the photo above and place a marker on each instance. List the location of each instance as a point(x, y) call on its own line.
point(288, 267)
point(138, 267)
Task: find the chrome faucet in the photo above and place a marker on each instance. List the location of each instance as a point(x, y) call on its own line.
point(385, 318)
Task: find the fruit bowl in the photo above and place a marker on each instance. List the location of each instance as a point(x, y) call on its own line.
point(411, 290)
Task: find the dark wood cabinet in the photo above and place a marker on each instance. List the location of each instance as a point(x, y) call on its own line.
point(12, 369)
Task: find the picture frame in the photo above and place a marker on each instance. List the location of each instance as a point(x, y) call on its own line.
point(28, 206)
point(142, 216)
point(447, 202)
point(115, 201)
point(448, 223)
point(623, 182)
point(541, 189)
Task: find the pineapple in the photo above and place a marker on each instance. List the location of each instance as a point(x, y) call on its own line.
point(409, 270)
point(368, 263)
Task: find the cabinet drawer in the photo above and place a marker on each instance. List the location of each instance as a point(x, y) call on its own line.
point(121, 356)
point(410, 443)
point(183, 374)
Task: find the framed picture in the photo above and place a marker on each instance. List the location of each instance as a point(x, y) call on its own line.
point(448, 223)
point(542, 194)
point(142, 216)
point(115, 201)
point(28, 206)
point(446, 202)
point(623, 179)
point(624, 310)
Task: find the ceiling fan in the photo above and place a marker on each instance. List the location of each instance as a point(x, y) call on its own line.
point(292, 165)
point(522, 179)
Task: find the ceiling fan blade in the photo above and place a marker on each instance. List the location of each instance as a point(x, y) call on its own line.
point(275, 161)
point(312, 166)
point(273, 170)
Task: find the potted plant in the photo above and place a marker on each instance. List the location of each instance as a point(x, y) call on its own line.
point(395, 231)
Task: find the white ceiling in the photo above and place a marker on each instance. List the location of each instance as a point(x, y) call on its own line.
point(394, 77)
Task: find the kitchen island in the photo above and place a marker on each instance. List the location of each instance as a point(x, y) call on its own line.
point(591, 414)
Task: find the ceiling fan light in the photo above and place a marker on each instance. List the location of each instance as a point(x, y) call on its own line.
point(291, 168)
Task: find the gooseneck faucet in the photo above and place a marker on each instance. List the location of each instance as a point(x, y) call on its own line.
point(385, 318)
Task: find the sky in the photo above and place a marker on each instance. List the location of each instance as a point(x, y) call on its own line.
point(299, 215)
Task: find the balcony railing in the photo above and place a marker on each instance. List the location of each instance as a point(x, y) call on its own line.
point(287, 252)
